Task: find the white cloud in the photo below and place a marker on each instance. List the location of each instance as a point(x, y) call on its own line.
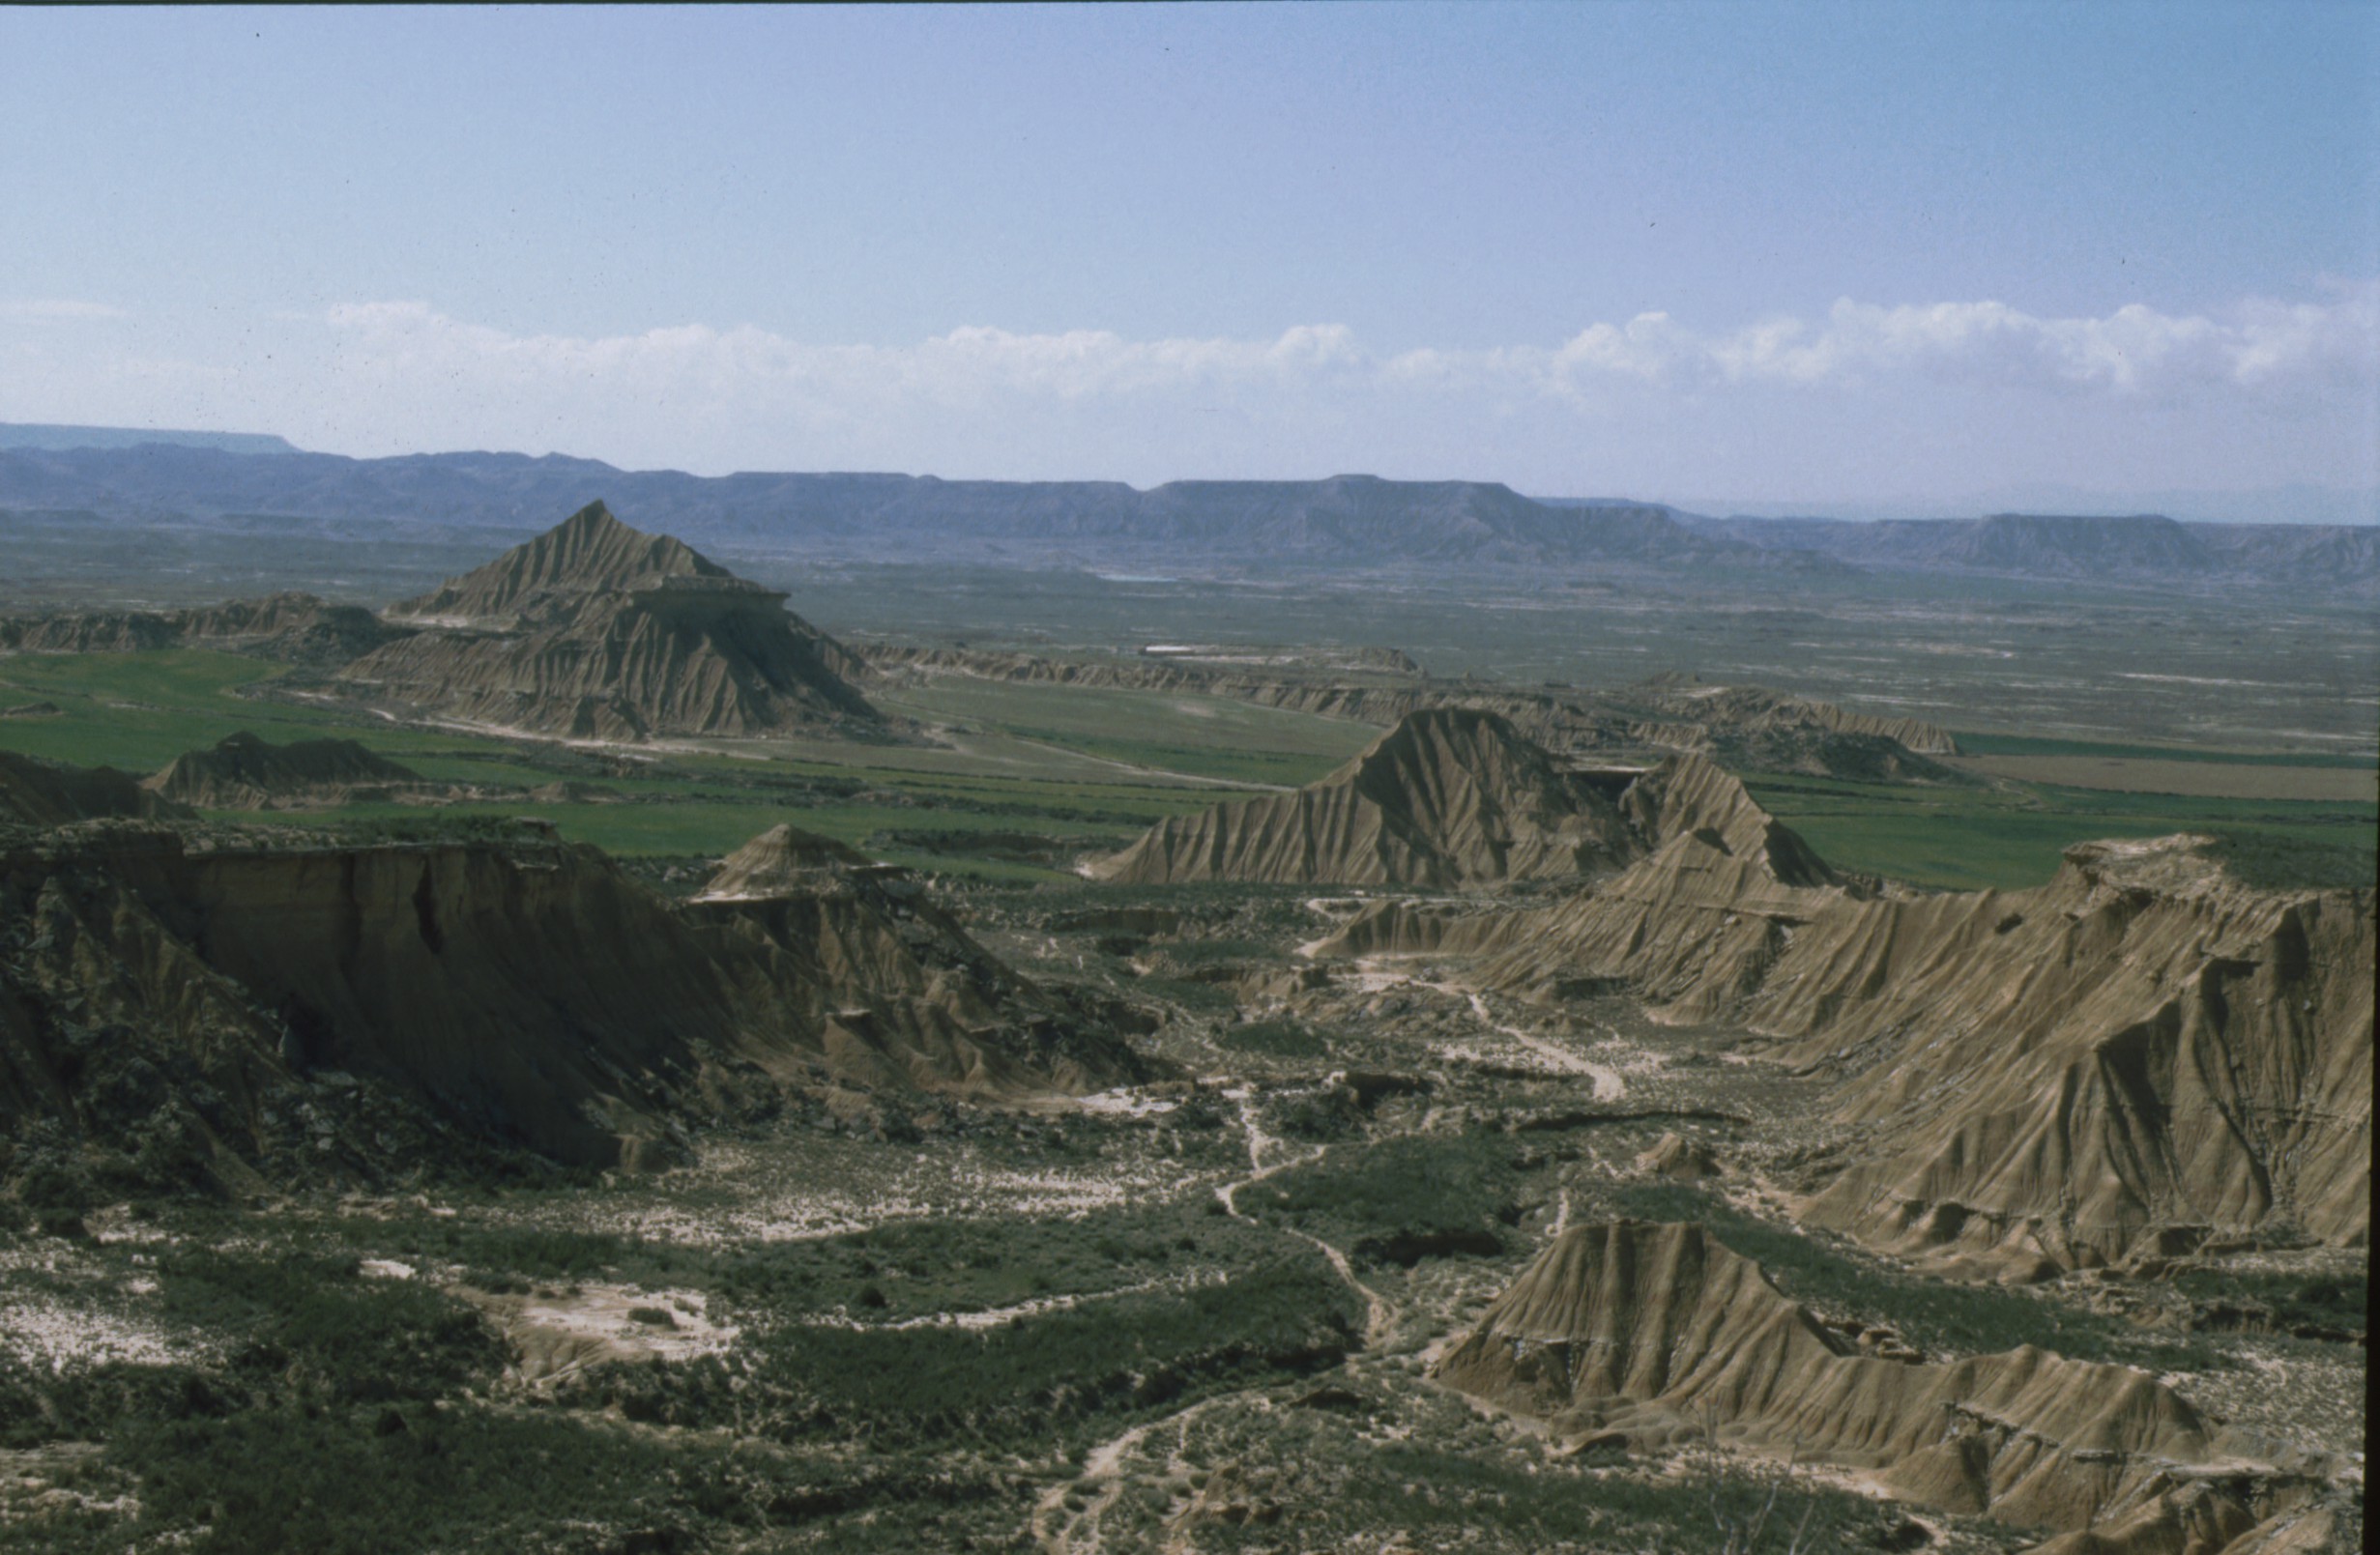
point(2134, 350)
point(1914, 394)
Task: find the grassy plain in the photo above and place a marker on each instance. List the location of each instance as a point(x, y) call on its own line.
point(1020, 779)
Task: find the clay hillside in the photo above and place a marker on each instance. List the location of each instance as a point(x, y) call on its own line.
point(2141, 1055)
point(595, 630)
point(244, 772)
point(500, 994)
point(1455, 797)
point(1637, 1336)
point(1451, 797)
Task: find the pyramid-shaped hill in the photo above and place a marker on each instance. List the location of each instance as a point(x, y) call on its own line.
point(1450, 797)
point(780, 860)
point(244, 772)
point(597, 630)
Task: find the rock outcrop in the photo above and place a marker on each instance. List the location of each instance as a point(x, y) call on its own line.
point(244, 772)
point(526, 993)
point(1648, 1335)
point(1452, 796)
point(2142, 1048)
point(594, 630)
point(779, 862)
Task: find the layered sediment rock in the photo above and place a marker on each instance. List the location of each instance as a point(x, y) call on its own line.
point(595, 630)
point(1452, 796)
point(2141, 1049)
point(1648, 1335)
point(527, 993)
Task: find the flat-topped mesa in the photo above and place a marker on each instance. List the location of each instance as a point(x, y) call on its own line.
point(595, 630)
point(1450, 797)
point(1646, 1335)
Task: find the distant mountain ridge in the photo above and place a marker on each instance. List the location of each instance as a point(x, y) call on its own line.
point(1345, 522)
point(48, 434)
point(2136, 547)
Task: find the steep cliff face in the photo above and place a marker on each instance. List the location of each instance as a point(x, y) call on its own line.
point(595, 630)
point(820, 940)
point(528, 994)
point(2040, 1078)
point(1449, 797)
point(244, 772)
point(1647, 1334)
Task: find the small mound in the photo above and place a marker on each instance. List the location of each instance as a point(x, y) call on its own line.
point(244, 772)
point(781, 861)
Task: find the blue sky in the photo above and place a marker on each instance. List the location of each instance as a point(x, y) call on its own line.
point(1792, 255)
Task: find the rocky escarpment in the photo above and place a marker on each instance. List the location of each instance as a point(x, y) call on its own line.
point(1645, 1335)
point(297, 628)
point(244, 772)
point(34, 792)
point(2141, 1053)
point(595, 630)
point(526, 994)
point(822, 940)
point(1452, 796)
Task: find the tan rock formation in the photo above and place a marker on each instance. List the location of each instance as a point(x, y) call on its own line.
point(529, 992)
point(1452, 796)
point(1647, 1334)
point(2039, 1077)
point(595, 630)
point(781, 861)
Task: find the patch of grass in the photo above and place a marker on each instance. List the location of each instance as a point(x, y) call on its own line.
point(2016, 838)
point(1283, 1038)
point(1427, 1189)
point(1977, 744)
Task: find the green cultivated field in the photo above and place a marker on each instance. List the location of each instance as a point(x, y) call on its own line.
point(1023, 779)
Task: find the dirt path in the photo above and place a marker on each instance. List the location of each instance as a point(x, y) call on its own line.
point(1608, 1087)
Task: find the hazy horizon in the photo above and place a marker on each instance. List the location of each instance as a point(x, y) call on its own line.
point(1829, 256)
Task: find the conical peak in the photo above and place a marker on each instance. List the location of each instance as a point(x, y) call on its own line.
point(780, 861)
point(589, 551)
point(593, 547)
